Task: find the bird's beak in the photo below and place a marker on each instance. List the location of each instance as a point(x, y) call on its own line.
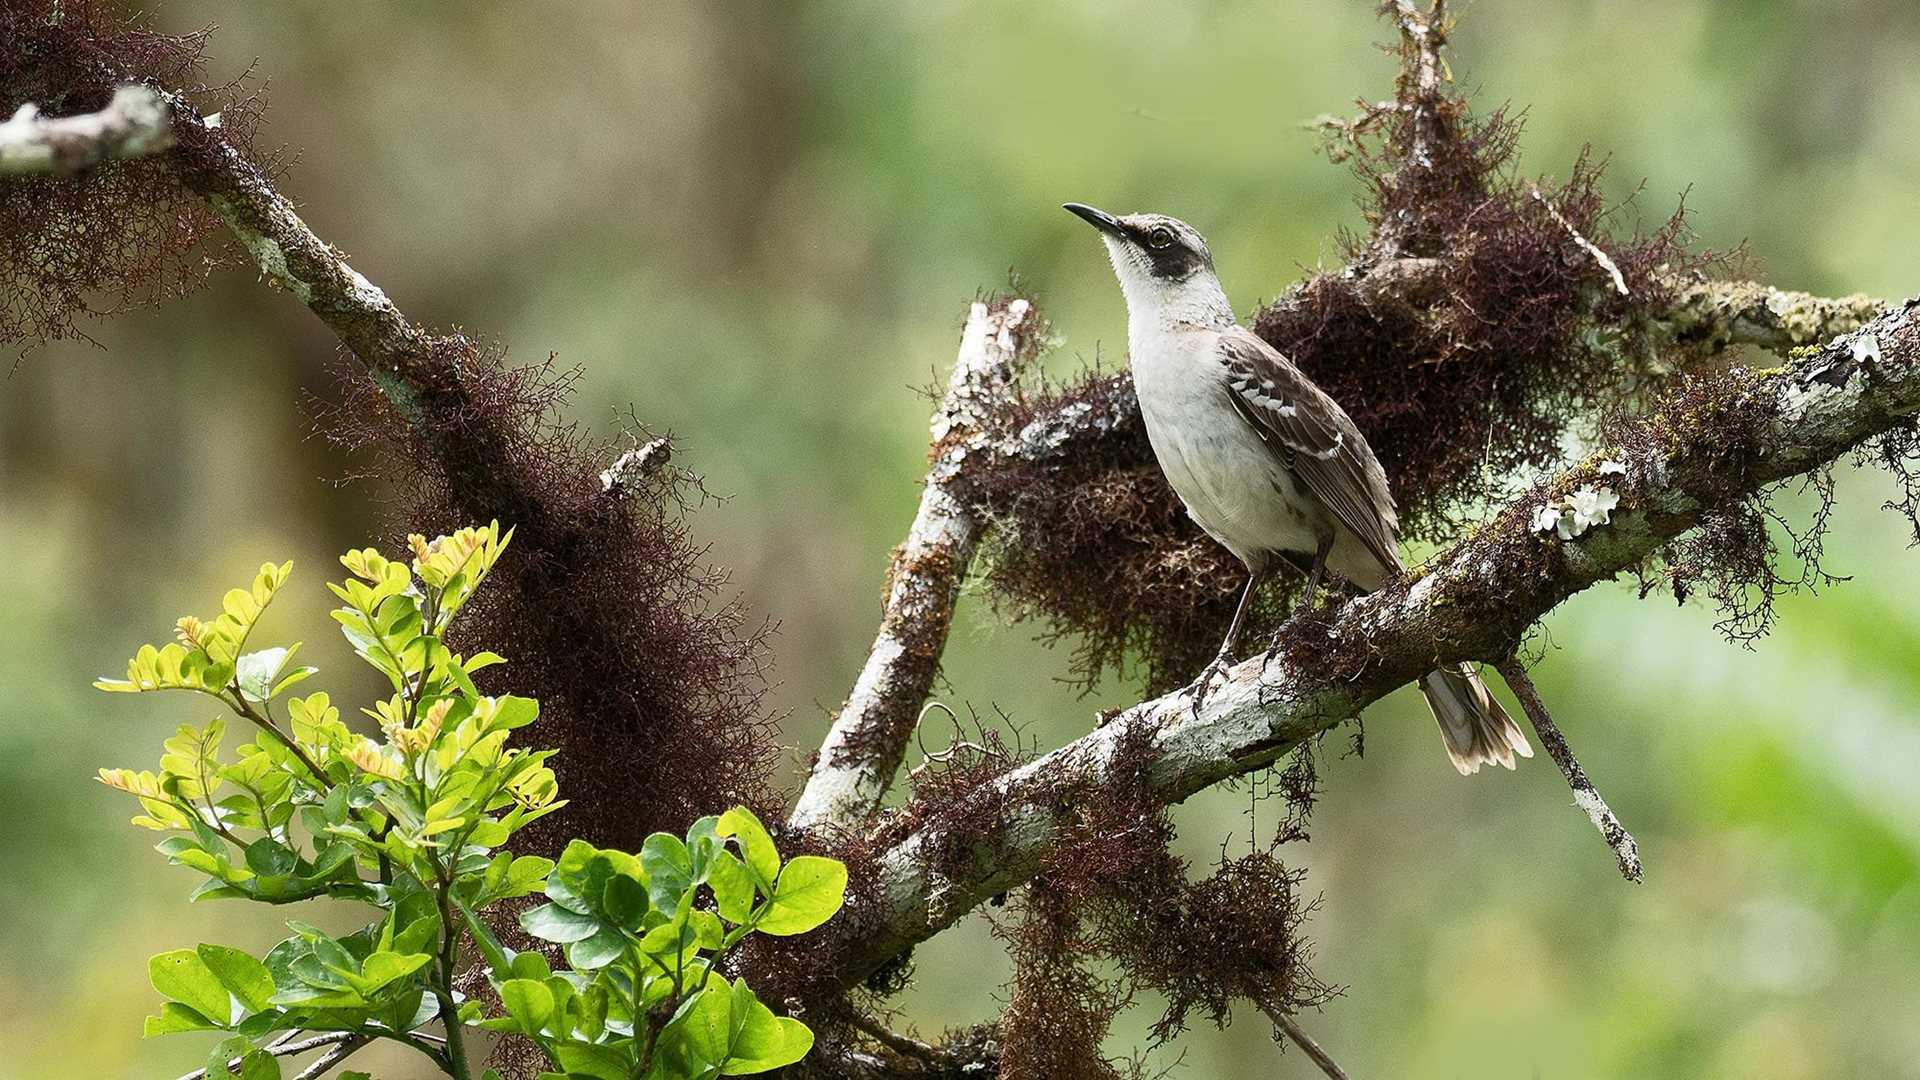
point(1099, 219)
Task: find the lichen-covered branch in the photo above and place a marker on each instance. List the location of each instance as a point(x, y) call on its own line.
point(1586, 796)
point(1707, 446)
point(862, 751)
point(294, 258)
point(134, 124)
point(1709, 316)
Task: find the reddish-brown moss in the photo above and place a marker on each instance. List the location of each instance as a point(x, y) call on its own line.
point(121, 234)
point(649, 676)
point(1110, 889)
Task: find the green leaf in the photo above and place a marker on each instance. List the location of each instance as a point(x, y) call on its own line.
point(598, 951)
point(624, 901)
point(763, 1041)
point(511, 712)
point(756, 844)
point(255, 672)
point(498, 959)
point(259, 1065)
point(530, 1003)
point(242, 975)
point(383, 968)
point(732, 888)
point(268, 857)
point(530, 965)
point(669, 868)
point(175, 1017)
point(182, 976)
point(567, 884)
point(551, 922)
point(700, 1036)
point(527, 874)
point(586, 1059)
point(809, 891)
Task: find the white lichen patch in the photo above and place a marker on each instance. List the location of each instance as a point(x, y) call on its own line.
point(1572, 516)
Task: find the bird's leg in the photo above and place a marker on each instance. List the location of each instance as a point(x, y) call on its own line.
point(1239, 616)
point(1305, 604)
point(1224, 659)
point(1313, 576)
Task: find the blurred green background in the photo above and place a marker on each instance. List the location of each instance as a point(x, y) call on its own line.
point(758, 224)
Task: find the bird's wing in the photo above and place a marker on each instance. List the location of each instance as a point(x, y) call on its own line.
point(1313, 437)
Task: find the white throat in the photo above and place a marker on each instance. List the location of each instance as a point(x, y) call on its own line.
point(1156, 304)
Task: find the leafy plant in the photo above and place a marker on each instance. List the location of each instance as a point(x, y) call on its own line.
point(414, 825)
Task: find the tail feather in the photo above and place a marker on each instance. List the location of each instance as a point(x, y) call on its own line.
point(1474, 727)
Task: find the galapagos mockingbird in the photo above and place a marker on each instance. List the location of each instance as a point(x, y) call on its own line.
point(1266, 463)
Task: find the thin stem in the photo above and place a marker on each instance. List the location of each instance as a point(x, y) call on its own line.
point(1585, 795)
point(240, 705)
point(1305, 1042)
point(334, 1056)
point(443, 990)
point(900, 1044)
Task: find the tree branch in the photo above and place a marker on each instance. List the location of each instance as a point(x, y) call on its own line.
point(1585, 795)
point(1706, 317)
point(1475, 601)
point(134, 124)
point(1710, 316)
point(290, 1044)
point(862, 751)
point(293, 257)
point(1305, 1042)
point(341, 1052)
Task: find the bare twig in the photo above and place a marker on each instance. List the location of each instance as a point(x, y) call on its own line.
point(335, 1056)
point(290, 1044)
point(1585, 795)
point(1466, 604)
point(896, 1042)
point(862, 751)
point(134, 124)
point(1605, 260)
point(1305, 1042)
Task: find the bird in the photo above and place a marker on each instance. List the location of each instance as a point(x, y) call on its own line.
point(1265, 461)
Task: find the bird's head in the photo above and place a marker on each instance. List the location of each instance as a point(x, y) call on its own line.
point(1163, 264)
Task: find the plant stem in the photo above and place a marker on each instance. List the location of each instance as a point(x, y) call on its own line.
point(443, 991)
point(240, 706)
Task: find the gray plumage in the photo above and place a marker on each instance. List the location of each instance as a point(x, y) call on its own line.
point(1265, 461)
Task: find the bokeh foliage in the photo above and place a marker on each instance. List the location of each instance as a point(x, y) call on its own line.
point(753, 210)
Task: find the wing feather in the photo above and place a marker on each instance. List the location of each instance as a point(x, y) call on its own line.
point(1314, 438)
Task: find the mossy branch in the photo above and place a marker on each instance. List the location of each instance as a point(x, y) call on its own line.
point(1707, 446)
point(134, 124)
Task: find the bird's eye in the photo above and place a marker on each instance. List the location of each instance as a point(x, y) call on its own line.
point(1160, 237)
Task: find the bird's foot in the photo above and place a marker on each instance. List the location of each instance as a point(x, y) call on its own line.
point(1212, 673)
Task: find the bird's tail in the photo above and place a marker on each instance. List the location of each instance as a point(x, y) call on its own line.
point(1474, 727)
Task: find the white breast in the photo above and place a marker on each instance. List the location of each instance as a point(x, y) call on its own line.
point(1232, 485)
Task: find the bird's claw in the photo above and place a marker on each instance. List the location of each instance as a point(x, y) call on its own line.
point(1203, 686)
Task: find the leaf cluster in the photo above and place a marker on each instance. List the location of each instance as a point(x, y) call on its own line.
point(645, 997)
point(414, 824)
